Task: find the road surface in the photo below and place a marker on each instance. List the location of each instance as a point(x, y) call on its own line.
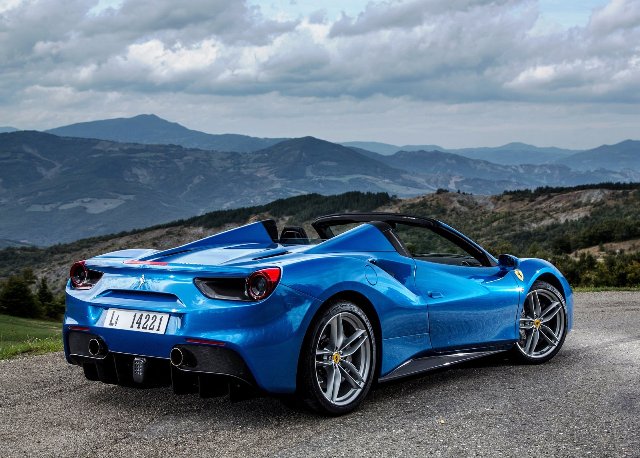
point(585, 402)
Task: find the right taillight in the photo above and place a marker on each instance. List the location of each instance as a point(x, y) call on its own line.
point(83, 278)
point(262, 283)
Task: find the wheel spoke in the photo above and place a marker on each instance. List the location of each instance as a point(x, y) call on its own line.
point(337, 380)
point(355, 345)
point(323, 352)
point(351, 339)
point(332, 373)
point(536, 303)
point(527, 344)
point(347, 376)
point(549, 335)
point(321, 363)
point(551, 311)
point(526, 323)
point(530, 306)
point(535, 336)
point(353, 370)
point(337, 331)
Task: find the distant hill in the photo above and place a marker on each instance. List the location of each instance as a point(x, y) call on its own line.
point(4, 129)
point(621, 156)
point(150, 129)
point(388, 149)
point(375, 147)
point(479, 176)
point(515, 154)
point(509, 154)
point(4, 243)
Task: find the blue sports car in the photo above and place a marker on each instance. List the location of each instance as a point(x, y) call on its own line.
point(373, 297)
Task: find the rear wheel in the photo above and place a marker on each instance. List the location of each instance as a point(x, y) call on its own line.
point(543, 324)
point(339, 360)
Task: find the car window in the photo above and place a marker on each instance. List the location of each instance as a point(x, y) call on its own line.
point(422, 243)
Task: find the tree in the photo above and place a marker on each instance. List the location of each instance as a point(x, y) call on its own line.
point(51, 306)
point(45, 296)
point(28, 276)
point(17, 299)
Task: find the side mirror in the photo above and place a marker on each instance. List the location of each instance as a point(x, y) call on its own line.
point(508, 261)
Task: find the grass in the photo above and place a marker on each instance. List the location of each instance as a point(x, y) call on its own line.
point(20, 336)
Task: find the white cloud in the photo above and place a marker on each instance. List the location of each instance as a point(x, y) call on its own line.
point(616, 16)
point(92, 57)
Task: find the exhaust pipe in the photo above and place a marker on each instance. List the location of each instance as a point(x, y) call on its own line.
point(96, 348)
point(181, 357)
point(176, 356)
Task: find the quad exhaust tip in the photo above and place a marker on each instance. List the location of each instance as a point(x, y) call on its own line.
point(181, 357)
point(96, 348)
point(177, 357)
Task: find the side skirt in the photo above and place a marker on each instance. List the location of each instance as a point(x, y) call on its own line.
point(427, 363)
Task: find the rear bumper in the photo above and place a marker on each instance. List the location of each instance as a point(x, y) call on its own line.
point(256, 343)
point(210, 370)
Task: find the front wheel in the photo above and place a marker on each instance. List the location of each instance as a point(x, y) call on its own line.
point(338, 361)
point(543, 324)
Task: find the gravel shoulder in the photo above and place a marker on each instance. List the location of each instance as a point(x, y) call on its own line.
point(584, 401)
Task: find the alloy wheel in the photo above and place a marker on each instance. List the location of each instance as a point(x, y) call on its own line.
point(542, 324)
point(343, 358)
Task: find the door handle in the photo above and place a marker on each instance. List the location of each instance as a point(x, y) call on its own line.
point(435, 294)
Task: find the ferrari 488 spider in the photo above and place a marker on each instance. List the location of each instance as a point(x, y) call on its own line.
point(373, 297)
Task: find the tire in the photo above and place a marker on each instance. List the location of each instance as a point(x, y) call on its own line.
point(543, 325)
point(338, 360)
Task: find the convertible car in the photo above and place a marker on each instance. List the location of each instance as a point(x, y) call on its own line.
point(373, 297)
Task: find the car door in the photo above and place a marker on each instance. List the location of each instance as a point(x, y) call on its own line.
point(470, 302)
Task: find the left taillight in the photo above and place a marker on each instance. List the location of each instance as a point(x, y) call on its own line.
point(83, 278)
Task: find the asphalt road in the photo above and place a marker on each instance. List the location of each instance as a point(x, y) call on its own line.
point(585, 402)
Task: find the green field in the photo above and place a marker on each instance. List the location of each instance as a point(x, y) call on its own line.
point(21, 336)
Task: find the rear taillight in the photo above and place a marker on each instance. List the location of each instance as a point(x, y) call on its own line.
point(257, 286)
point(262, 283)
point(83, 278)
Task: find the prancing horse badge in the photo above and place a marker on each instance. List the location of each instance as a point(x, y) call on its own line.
point(519, 274)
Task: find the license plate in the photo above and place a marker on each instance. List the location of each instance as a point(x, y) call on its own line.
point(136, 320)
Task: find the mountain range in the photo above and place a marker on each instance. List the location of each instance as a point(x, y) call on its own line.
point(60, 188)
point(151, 129)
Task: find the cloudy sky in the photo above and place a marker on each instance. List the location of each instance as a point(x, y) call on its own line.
point(450, 72)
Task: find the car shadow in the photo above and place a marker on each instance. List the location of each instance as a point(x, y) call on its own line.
point(265, 410)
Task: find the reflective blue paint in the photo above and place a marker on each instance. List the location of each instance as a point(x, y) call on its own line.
point(253, 233)
point(476, 305)
point(359, 239)
point(473, 306)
